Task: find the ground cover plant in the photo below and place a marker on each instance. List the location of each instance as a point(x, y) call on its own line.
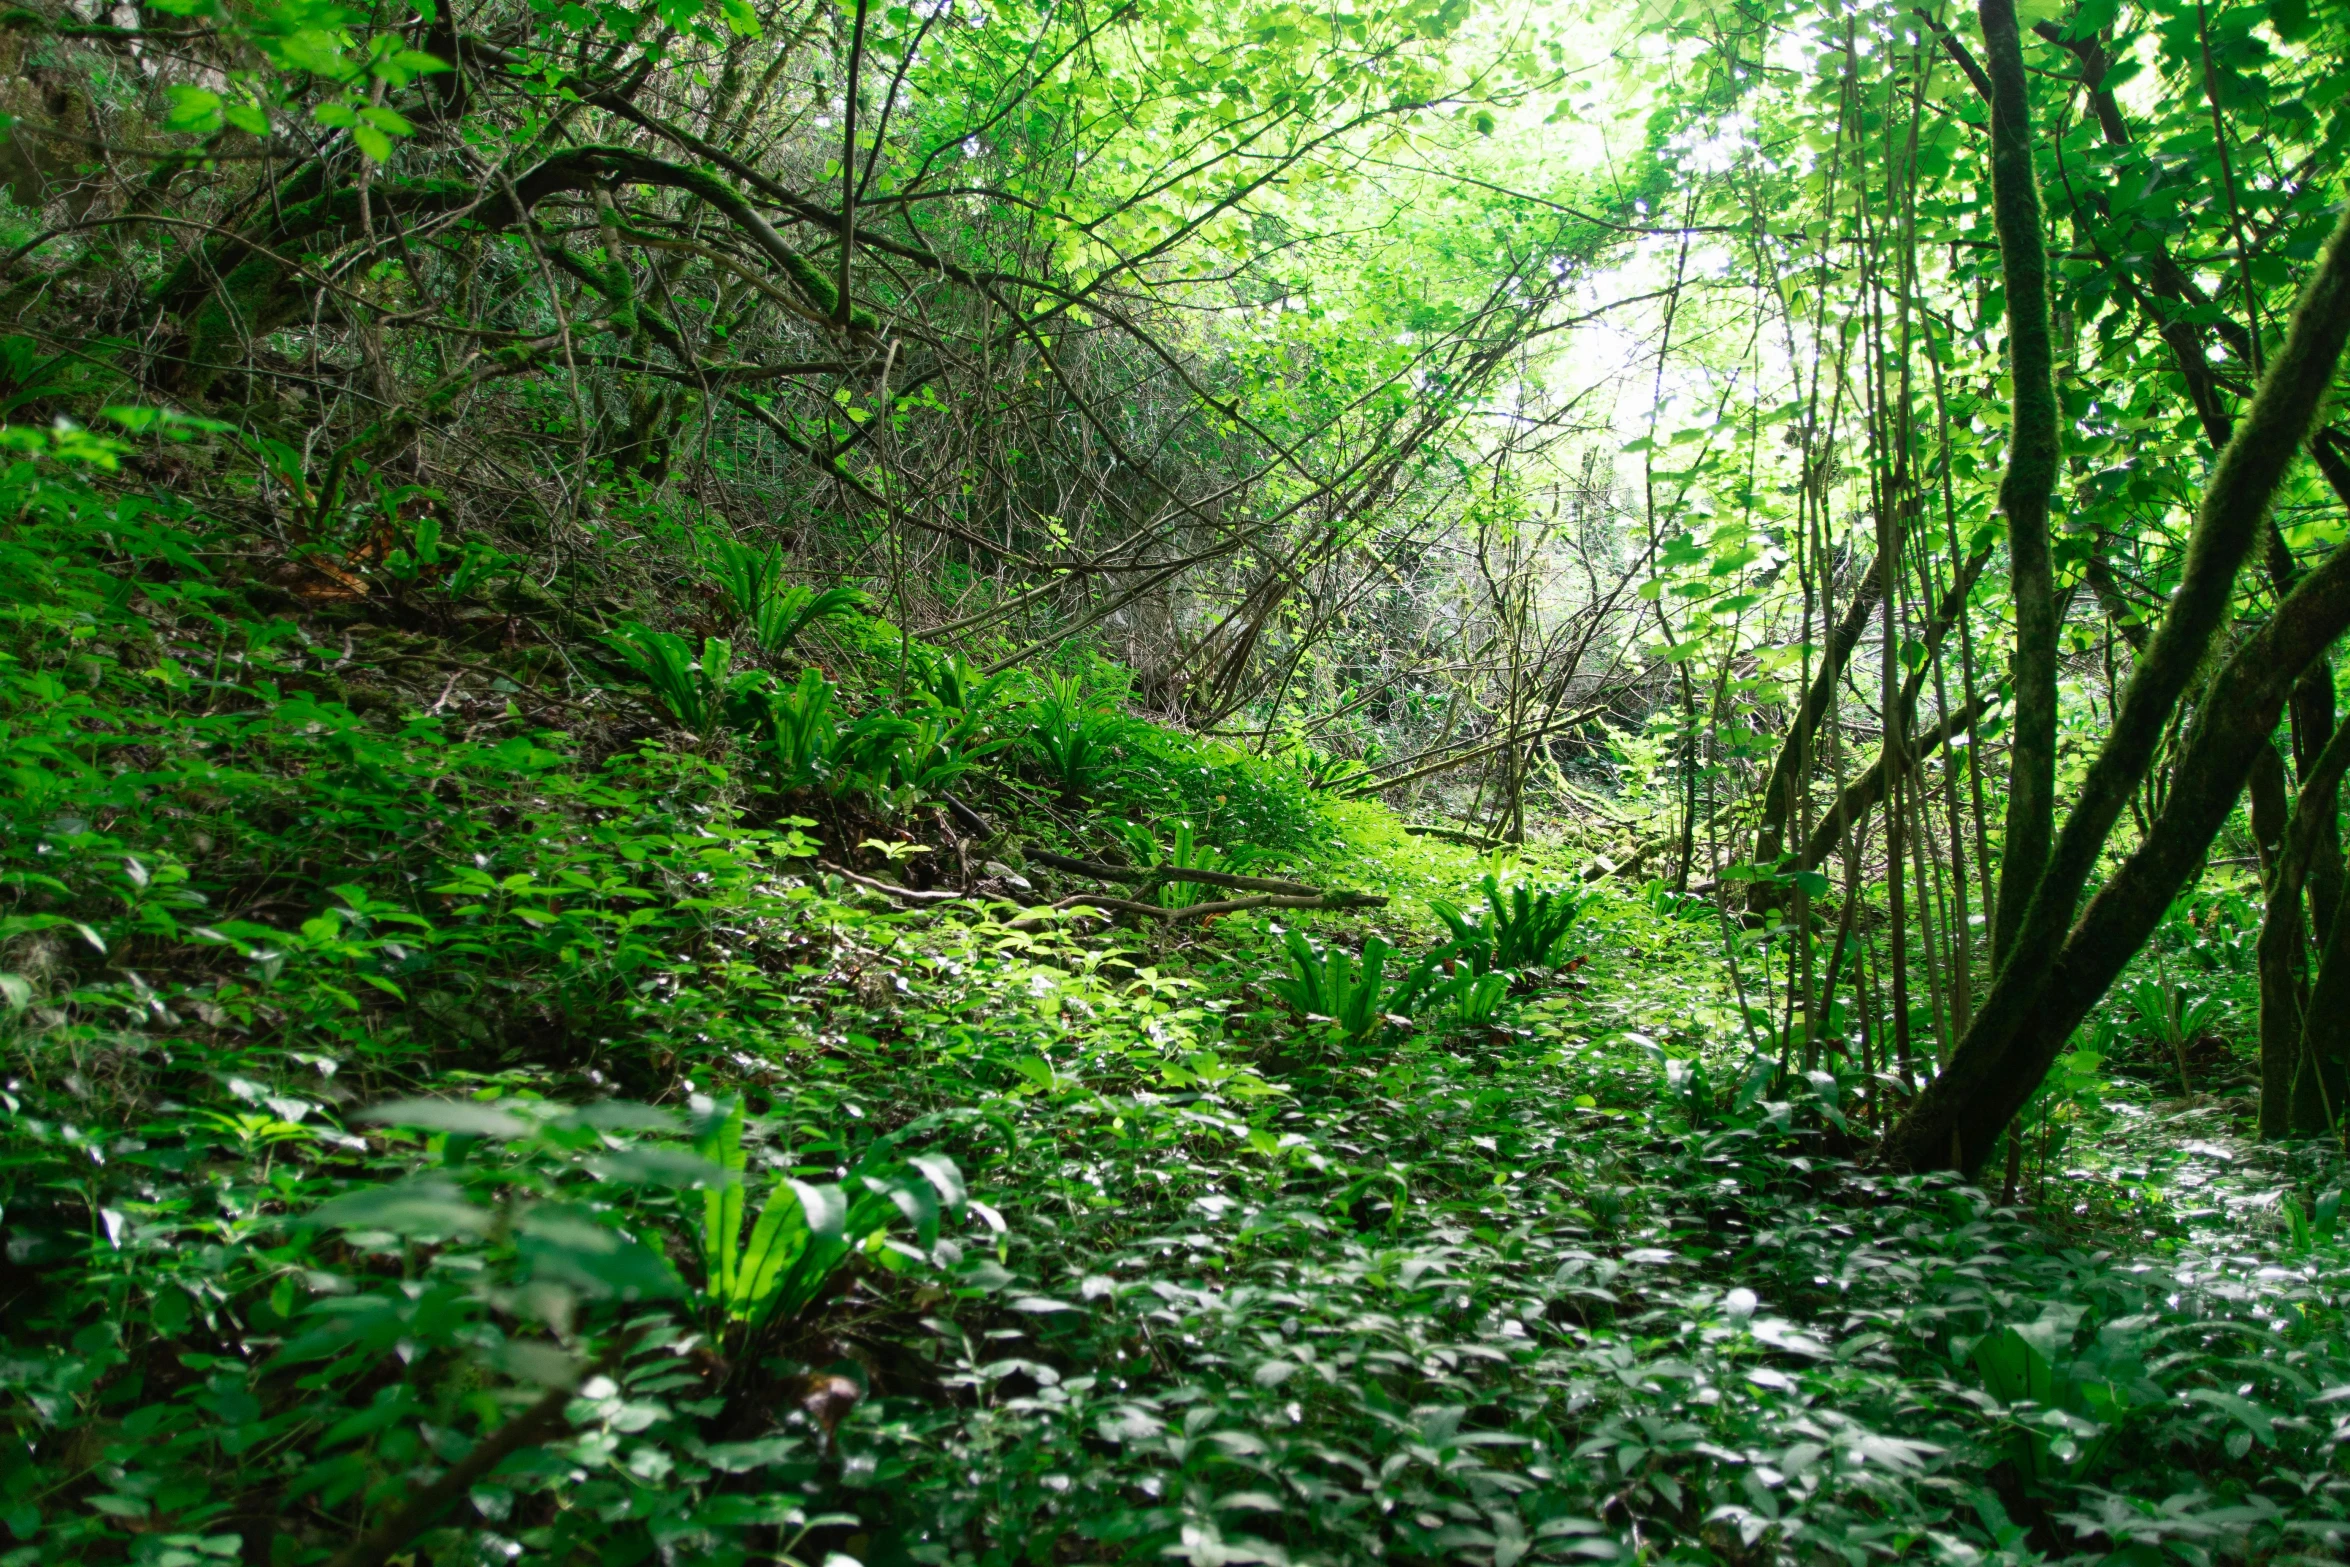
point(429, 1137)
point(1422, 781)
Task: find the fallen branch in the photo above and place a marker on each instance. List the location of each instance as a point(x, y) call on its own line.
point(1036, 918)
point(1132, 875)
point(1475, 840)
point(910, 894)
point(967, 816)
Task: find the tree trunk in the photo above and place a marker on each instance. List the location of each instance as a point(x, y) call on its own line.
point(2007, 1050)
point(2030, 479)
point(2325, 1035)
point(1857, 796)
point(2281, 947)
point(2306, 1057)
point(1791, 770)
point(2000, 1063)
point(2320, 1080)
point(2302, 869)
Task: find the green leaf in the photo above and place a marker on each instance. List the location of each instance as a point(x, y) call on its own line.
point(2092, 18)
point(564, 1244)
point(421, 1205)
point(312, 49)
point(670, 1167)
point(622, 1115)
point(940, 1171)
point(195, 110)
point(461, 1117)
point(2014, 1368)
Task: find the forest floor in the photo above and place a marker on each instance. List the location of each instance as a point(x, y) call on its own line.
point(380, 989)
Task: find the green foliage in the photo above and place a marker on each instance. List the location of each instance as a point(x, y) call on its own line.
point(2072, 1093)
point(933, 753)
point(952, 725)
point(802, 734)
point(1333, 774)
point(2317, 1228)
point(891, 761)
point(259, 1316)
point(1329, 987)
point(1477, 998)
point(1230, 797)
point(791, 609)
point(806, 1231)
point(1071, 740)
point(2173, 1017)
point(1427, 1291)
point(703, 693)
point(2067, 1408)
point(2170, 1012)
point(809, 748)
point(949, 682)
point(746, 574)
point(1186, 852)
point(1514, 932)
point(428, 556)
point(756, 595)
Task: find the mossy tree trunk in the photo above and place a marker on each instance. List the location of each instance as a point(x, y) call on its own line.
point(2052, 978)
point(2030, 477)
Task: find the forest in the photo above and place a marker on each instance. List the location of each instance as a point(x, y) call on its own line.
point(1048, 783)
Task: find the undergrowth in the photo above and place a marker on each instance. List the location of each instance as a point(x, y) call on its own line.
point(468, 1099)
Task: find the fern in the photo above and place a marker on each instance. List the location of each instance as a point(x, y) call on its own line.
point(809, 748)
point(776, 611)
point(701, 691)
point(745, 574)
point(949, 682)
point(1328, 986)
point(1071, 739)
point(1520, 931)
point(805, 1231)
point(792, 608)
